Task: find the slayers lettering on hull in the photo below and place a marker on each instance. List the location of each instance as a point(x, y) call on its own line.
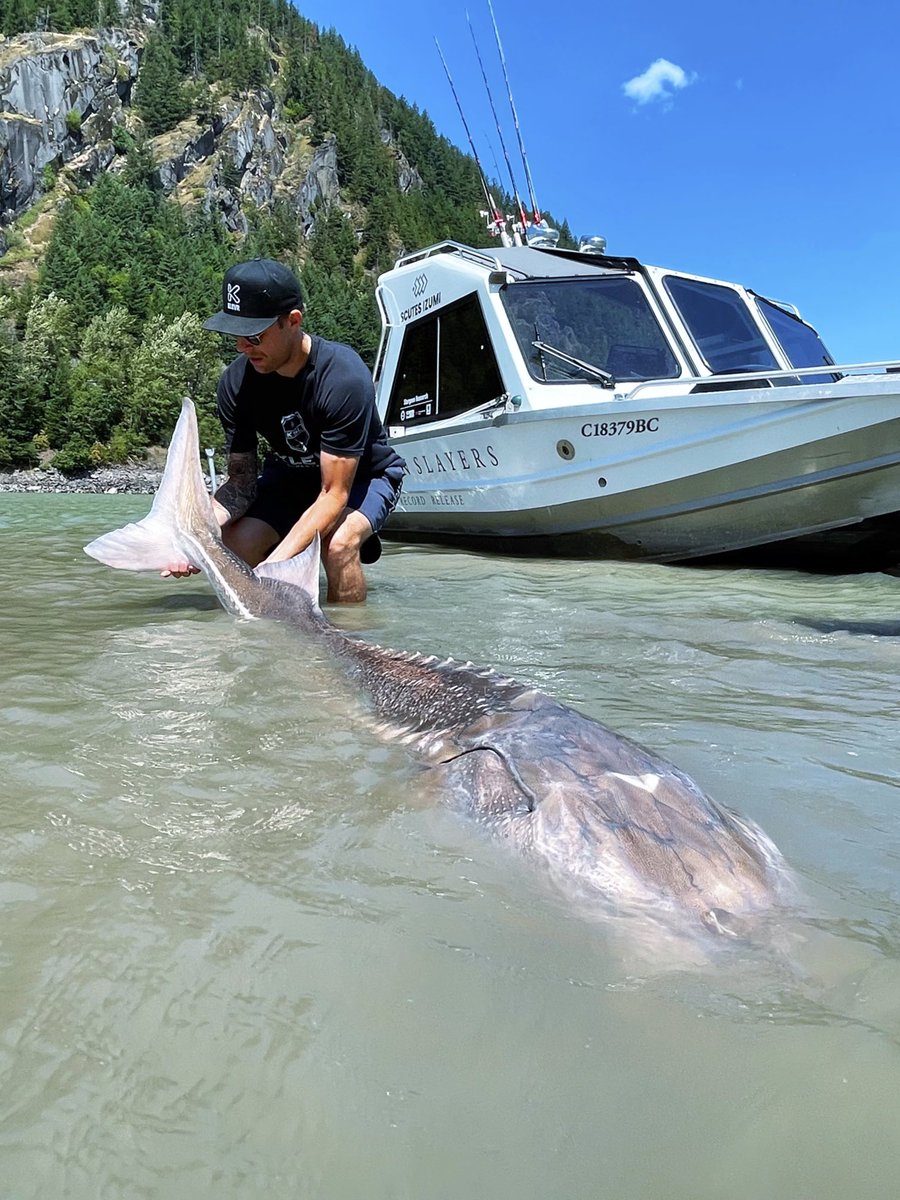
point(455, 460)
point(420, 307)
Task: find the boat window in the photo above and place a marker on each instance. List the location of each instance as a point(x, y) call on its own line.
point(799, 341)
point(722, 326)
point(447, 366)
point(606, 322)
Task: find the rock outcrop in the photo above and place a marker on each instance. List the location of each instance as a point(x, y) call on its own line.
point(61, 97)
point(66, 98)
point(245, 152)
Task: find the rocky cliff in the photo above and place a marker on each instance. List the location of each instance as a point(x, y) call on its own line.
point(66, 110)
point(61, 98)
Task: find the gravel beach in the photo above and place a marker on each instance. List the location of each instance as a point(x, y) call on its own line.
point(105, 480)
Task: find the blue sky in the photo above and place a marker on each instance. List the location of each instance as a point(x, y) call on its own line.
point(756, 142)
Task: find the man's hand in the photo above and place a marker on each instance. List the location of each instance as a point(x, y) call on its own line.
point(179, 570)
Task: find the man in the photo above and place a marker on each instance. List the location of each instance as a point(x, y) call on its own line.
point(329, 470)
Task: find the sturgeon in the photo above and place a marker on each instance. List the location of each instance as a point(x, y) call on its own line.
point(595, 809)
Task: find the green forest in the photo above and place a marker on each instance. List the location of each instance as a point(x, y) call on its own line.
point(102, 341)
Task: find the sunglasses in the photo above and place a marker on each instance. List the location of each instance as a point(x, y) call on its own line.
point(254, 338)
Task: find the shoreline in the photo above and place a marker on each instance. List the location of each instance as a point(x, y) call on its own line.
point(103, 481)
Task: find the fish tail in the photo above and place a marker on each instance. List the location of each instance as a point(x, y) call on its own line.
point(181, 505)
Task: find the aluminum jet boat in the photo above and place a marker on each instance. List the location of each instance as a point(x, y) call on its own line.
point(571, 402)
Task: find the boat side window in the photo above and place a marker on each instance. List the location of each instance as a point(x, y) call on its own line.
point(447, 366)
point(721, 325)
point(800, 342)
point(606, 322)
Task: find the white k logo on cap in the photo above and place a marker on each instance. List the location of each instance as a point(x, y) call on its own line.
point(233, 297)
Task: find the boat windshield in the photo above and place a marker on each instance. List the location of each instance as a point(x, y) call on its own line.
point(799, 341)
point(604, 322)
point(721, 325)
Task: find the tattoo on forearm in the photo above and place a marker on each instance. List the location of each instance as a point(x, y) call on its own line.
point(238, 491)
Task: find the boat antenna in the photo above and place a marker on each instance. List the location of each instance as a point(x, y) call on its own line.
point(520, 207)
point(496, 223)
point(536, 212)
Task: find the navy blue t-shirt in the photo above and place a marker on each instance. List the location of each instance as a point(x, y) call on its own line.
point(329, 405)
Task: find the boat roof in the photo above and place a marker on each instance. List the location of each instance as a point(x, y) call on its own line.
point(533, 262)
point(526, 262)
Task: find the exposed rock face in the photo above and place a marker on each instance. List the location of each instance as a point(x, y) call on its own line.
point(245, 152)
point(45, 77)
point(320, 182)
point(408, 178)
point(63, 95)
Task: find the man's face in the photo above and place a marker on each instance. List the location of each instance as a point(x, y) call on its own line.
point(272, 349)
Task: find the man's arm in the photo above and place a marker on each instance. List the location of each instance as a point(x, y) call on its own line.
point(338, 473)
point(238, 491)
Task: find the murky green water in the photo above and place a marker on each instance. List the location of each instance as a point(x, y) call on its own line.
point(240, 960)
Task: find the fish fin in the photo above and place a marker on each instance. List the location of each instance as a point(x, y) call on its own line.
point(301, 571)
point(181, 501)
point(148, 545)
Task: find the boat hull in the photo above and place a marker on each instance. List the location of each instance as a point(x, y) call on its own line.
point(812, 481)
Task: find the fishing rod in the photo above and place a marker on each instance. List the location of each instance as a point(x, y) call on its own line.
point(536, 212)
point(496, 220)
point(515, 191)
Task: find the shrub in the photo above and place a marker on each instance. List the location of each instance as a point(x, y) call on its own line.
point(122, 140)
point(74, 457)
point(123, 445)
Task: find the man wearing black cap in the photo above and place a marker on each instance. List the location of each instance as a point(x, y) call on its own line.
point(329, 469)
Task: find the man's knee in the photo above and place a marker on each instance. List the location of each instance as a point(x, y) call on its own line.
point(250, 539)
point(341, 547)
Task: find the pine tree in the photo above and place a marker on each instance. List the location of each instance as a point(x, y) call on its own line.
point(160, 98)
point(18, 418)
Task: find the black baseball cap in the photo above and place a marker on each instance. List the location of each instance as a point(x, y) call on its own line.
point(254, 296)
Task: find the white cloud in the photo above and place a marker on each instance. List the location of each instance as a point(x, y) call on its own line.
point(659, 82)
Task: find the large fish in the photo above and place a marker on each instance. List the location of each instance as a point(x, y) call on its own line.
point(595, 809)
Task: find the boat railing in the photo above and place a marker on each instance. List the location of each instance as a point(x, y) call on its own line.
point(479, 257)
point(763, 376)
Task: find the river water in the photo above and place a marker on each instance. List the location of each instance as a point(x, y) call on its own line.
point(241, 958)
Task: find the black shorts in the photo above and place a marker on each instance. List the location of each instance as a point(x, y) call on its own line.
point(283, 494)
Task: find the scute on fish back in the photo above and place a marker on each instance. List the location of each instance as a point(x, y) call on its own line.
point(595, 809)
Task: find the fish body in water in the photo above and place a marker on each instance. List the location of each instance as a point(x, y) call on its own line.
point(594, 808)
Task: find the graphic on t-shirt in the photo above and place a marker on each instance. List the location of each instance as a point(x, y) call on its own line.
point(295, 432)
point(296, 435)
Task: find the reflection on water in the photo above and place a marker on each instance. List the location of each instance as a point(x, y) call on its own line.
point(241, 958)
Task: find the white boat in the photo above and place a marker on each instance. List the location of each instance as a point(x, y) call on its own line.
point(573, 402)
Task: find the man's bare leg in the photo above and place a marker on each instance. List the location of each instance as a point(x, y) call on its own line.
point(340, 556)
point(250, 539)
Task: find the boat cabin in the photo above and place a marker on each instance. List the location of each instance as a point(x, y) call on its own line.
point(468, 331)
